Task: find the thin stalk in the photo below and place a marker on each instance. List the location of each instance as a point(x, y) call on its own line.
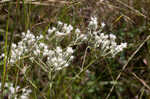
point(25, 15)
point(5, 57)
point(17, 76)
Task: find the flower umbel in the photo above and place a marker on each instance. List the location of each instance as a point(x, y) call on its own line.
point(59, 58)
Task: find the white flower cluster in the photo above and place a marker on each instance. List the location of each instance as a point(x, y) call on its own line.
point(32, 46)
point(23, 47)
point(59, 59)
point(106, 42)
point(10, 90)
point(62, 29)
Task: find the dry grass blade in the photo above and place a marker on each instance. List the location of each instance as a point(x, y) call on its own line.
point(141, 80)
point(123, 68)
point(131, 8)
point(58, 1)
point(45, 3)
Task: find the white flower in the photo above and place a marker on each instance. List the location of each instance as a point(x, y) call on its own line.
point(60, 23)
point(60, 33)
point(124, 45)
point(37, 52)
point(54, 59)
point(67, 29)
point(60, 60)
point(41, 37)
point(23, 34)
point(58, 50)
point(71, 57)
point(13, 46)
point(77, 31)
point(93, 24)
point(41, 45)
point(46, 52)
point(31, 58)
point(2, 55)
point(70, 28)
point(112, 37)
point(83, 37)
point(24, 97)
point(102, 24)
point(50, 31)
point(66, 65)
point(70, 50)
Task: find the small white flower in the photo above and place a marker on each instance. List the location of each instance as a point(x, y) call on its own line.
point(56, 65)
point(50, 31)
point(60, 23)
point(2, 55)
point(24, 97)
point(112, 37)
point(102, 24)
point(41, 37)
point(31, 58)
point(93, 23)
point(12, 89)
point(46, 52)
point(83, 37)
point(37, 52)
point(70, 50)
point(13, 46)
point(72, 57)
point(77, 31)
point(66, 65)
point(41, 45)
point(70, 27)
point(23, 34)
point(54, 59)
point(60, 33)
point(60, 60)
point(58, 50)
point(124, 45)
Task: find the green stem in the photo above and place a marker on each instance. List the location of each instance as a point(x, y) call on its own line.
point(5, 60)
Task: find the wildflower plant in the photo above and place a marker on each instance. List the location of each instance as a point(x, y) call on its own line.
point(11, 92)
point(46, 50)
point(57, 57)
